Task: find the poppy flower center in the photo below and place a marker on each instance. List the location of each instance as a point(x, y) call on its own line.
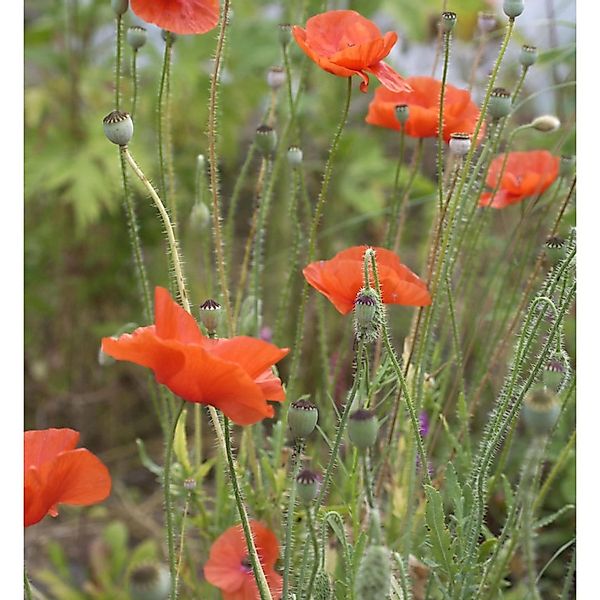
point(246, 564)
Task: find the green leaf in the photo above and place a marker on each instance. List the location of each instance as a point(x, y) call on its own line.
point(180, 443)
point(438, 533)
point(486, 549)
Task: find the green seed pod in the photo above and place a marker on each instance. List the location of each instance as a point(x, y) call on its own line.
point(362, 428)
point(486, 22)
point(323, 589)
point(118, 127)
point(308, 484)
point(460, 143)
point(294, 156)
point(513, 8)
point(266, 140)
point(374, 577)
point(567, 166)
point(275, 77)
point(555, 249)
point(448, 21)
point(168, 36)
point(210, 315)
point(402, 113)
point(367, 315)
point(528, 55)
point(119, 6)
point(554, 372)
point(149, 581)
point(302, 418)
point(285, 34)
point(540, 411)
point(136, 37)
point(500, 103)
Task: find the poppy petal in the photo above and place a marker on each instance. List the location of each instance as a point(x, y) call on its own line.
point(389, 78)
point(173, 321)
point(43, 445)
point(179, 16)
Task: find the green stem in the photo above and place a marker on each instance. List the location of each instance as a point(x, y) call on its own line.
point(28, 594)
point(162, 166)
point(395, 208)
point(118, 63)
point(440, 136)
point(134, 78)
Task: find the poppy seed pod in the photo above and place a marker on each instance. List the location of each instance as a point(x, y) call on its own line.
point(555, 247)
point(294, 156)
point(362, 428)
point(500, 103)
point(275, 77)
point(136, 37)
point(118, 127)
point(307, 485)
point(402, 113)
point(567, 166)
point(528, 55)
point(374, 576)
point(513, 8)
point(460, 143)
point(486, 22)
point(554, 372)
point(149, 581)
point(546, 123)
point(189, 484)
point(168, 36)
point(367, 315)
point(210, 315)
point(302, 418)
point(540, 411)
point(285, 34)
point(448, 21)
point(266, 139)
point(119, 6)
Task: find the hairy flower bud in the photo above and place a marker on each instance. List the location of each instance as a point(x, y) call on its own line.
point(374, 576)
point(149, 581)
point(302, 418)
point(546, 123)
point(323, 589)
point(500, 103)
point(136, 37)
point(362, 428)
point(540, 411)
point(118, 127)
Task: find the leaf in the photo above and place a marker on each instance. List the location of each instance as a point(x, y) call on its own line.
point(486, 549)
point(180, 443)
point(545, 521)
point(146, 460)
point(439, 535)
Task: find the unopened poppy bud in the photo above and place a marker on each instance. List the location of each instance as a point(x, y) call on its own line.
point(285, 34)
point(294, 156)
point(136, 37)
point(149, 581)
point(266, 139)
point(500, 103)
point(307, 485)
point(119, 6)
point(362, 428)
point(210, 314)
point(374, 577)
point(448, 21)
point(367, 315)
point(513, 8)
point(199, 217)
point(540, 411)
point(528, 55)
point(554, 372)
point(302, 418)
point(118, 127)
point(567, 166)
point(402, 113)
point(168, 36)
point(555, 247)
point(460, 143)
point(275, 77)
point(546, 123)
point(323, 589)
point(486, 22)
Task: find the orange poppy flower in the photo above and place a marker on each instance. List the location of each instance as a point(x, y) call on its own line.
point(179, 16)
point(526, 174)
point(344, 43)
point(229, 568)
point(233, 375)
point(460, 112)
point(58, 473)
point(341, 278)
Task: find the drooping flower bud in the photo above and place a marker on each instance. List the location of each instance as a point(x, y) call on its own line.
point(136, 37)
point(528, 55)
point(294, 156)
point(323, 589)
point(567, 166)
point(540, 411)
point(460, 143)
point(513, 8)
point(302, 418)
point(362, 428)
point(555, 247)
point(546, 123)
point(307, 485)
point(554, 372)
point(367, 315)
point(374, 576)
point(285, 34)
point(118, 127)
point(402, 113)
point(119, 6)
point(486, 22)
point(448, 21)
point(275, 77)
point(210, 315)
point(500, 103)
point(266, 139)
point(149, 581)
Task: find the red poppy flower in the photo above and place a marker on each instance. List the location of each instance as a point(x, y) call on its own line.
point(179, 16)
point(341, 278)
point(233, 375)
point(460, 112)
point(229, 567)
point(344, 43)
point(526, 174)
point(58, 473)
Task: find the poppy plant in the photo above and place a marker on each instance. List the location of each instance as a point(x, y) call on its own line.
point(460, 112)
point(345, 43)
point(341, 278)
point(179, 16)
point(526, 174)
point(233, 375)
point(228, 566)
point(58, 473)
